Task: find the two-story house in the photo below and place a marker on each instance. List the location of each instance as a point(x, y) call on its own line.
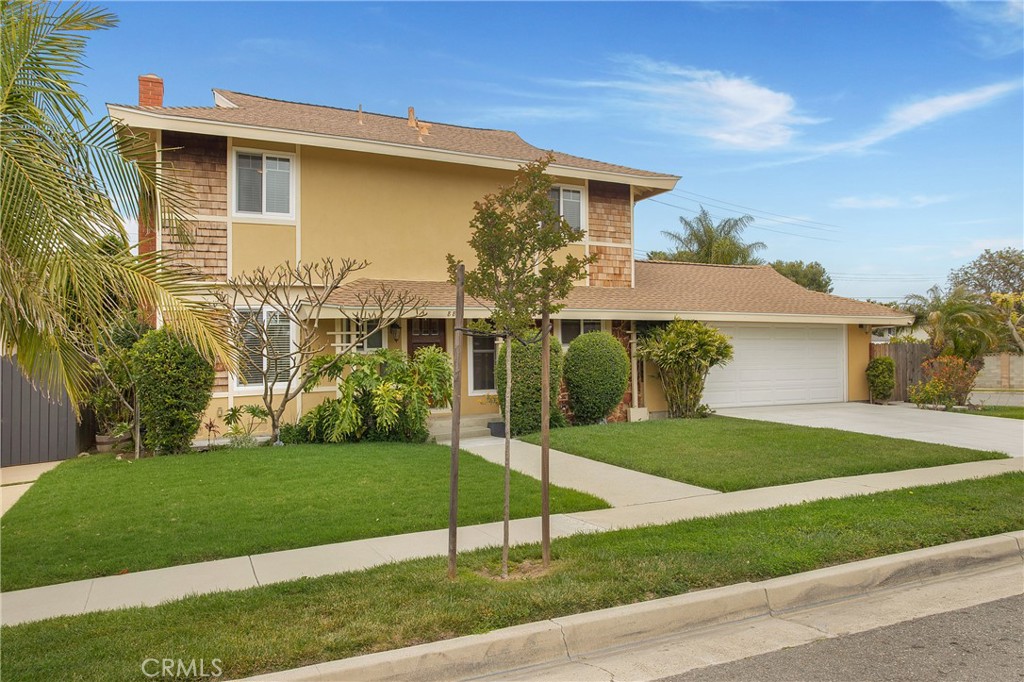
point(279, 181)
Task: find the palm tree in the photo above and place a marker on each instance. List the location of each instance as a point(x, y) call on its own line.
point(958, 321)
point(703, 241)
point(67, 186)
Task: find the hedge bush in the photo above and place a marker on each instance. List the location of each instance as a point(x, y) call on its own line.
point(881, 373)
point(526, 360)
point(596, 376)
point(174, 384)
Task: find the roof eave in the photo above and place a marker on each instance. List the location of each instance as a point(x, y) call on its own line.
point(152, 119)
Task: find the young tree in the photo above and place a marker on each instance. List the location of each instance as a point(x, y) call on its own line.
point(66, 184)
point(808, 275)
point(703, 241)
point(1009, 307)
point(517, 234)
point(267, 302)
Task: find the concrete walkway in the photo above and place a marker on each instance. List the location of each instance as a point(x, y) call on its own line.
point(899, 421)
point(619, 487)
point(14, 481)
point(148, 588)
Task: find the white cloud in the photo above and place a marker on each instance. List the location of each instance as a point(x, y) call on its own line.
point(997, 28)
point(915, 201)
point(910, 116)
point(976, 246)
point(730, 111)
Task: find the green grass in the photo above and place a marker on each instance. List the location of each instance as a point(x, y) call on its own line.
point(729, 454)
point(314, 620)
point(1007, 411)
point(97, 516)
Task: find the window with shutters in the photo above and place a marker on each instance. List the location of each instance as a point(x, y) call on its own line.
point(264, 184)
point(259, 358)
point(568, 201)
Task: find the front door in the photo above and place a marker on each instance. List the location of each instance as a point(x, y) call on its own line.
point(426, 332)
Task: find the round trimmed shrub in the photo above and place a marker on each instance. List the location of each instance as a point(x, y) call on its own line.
point(881, 374)
point(526, 360)
point(174, 383)
point(596, 376)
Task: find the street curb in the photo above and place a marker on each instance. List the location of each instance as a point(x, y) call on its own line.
point(564, 639)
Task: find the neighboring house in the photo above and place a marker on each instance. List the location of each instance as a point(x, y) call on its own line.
point(283, 181)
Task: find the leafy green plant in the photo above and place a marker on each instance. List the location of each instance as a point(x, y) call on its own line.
point(174, 383)
point(526, 367)
point(596, 376)
point(383, 396)
point(294, 434)
point(243, 422)
point(684, 352)
point(212, 431)
point(881, 373)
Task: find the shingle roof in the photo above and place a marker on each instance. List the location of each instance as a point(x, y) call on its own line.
point(263, 112)
point(673, 288)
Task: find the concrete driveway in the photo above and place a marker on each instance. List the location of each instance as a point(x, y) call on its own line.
point(898, 421)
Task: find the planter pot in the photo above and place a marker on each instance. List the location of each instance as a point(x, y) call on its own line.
point(108, 443)
point(497, 429)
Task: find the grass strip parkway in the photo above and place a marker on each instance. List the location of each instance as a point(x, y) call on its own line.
point(311, 620)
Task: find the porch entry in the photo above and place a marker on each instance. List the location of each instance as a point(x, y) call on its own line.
point(424, 332)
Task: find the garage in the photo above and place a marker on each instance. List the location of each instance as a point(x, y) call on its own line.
point(782, 364)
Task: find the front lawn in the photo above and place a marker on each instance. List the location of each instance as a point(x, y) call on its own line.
point(97, 516)
point(314, 620)
point(729, 454)
point(1007, 411)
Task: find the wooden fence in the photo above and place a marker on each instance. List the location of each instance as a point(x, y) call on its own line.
point(32, 428)
point(908, 358)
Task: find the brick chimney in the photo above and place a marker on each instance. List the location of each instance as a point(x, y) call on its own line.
point(151, 91)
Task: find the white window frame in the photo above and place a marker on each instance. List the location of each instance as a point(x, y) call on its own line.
point(258, 387)
point(361, 347)
point(584, 202)
point(263, 214)
point(471, 389)
point(583, 324)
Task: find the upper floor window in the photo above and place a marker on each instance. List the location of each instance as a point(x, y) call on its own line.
point(263, 183)
point(569, 204)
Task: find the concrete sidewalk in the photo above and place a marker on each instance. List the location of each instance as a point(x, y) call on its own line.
point(898, 421)
point(148, 588)
point(14, 481)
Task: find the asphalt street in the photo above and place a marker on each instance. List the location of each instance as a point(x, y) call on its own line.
point(983, 643)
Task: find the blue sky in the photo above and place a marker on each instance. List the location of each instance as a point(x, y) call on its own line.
point(884, 139)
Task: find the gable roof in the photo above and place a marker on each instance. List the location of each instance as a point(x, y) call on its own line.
point(665, 290)
point(394, 133)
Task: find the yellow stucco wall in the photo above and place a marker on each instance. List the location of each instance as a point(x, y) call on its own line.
point(253, 246)
point(858, 344)
point(263, 146)
point(403, 215)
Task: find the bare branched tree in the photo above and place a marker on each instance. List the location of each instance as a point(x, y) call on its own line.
point(275, 316)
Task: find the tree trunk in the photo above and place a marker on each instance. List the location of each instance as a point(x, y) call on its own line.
point(137, 426)
point(545, 438)
point(508, 454)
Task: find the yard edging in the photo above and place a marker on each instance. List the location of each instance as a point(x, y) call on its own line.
point(565, 639)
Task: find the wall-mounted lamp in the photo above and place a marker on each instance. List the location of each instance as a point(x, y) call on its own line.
point(396, 331)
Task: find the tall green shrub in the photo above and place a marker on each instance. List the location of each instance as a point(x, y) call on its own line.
point(526, 363)
point(596, 376)
point(174, 384)
point(684, 352)
point(881, 373)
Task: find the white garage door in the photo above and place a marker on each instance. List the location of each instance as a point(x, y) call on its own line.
point(780, 365)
